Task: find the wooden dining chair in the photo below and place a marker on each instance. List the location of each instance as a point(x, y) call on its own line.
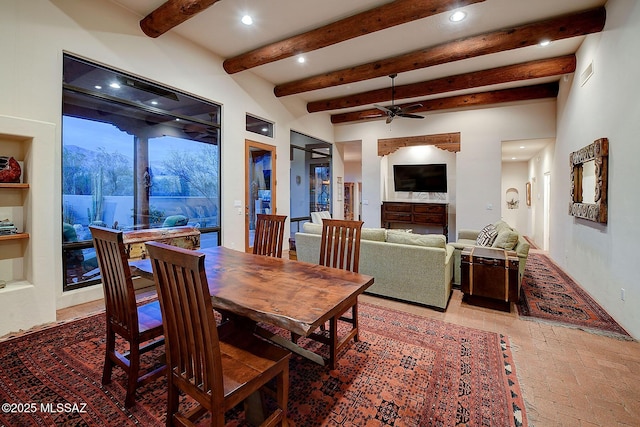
point(340, 248)
point(137, 324)
point(269, 235)
point(340, 244)
point(218, 370)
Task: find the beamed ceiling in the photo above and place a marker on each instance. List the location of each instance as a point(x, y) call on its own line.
point(351, 47)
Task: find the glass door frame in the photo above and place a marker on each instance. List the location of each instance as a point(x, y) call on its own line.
point(250, 195)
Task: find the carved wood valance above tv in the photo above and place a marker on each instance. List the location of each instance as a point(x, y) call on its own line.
point(444, 141)
point(589, 167)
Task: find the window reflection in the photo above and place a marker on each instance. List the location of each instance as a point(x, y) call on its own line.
point(134, 157)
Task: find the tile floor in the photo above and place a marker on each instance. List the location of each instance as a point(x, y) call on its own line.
point(568, 377)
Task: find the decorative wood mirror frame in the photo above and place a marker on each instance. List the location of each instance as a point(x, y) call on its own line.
point(599, 153)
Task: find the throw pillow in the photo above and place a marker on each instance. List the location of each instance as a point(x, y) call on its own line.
point(500, 225)
point(375, 234)
point(311, 228)
point(487, 236)
point(398, 231)
point(428, 240)
point(507, 239)
point(317, 217)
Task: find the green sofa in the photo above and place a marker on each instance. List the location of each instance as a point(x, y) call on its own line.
point(409, 267)
point(506, 238)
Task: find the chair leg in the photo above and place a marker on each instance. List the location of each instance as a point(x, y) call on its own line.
point(108, 363)
point(172, 400)
point(133, 374)
point(282, 383)
point(333, 341)
point(354, 313)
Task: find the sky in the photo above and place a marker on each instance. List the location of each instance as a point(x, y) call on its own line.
point(92, 135)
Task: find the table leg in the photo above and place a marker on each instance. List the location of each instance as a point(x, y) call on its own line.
point(333, 341)
point(290, 345)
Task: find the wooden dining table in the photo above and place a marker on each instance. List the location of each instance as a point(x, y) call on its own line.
point(297, 296)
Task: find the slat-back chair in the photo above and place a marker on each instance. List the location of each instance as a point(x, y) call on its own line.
point(340, 248)
point(136, 324)
point(218, 370)
point(269, 235)
point(340, 244)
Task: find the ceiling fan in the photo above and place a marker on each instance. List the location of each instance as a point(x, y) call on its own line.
point(200, 132)
point(395, 110)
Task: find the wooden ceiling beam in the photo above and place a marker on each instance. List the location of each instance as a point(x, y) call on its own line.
point(526, 93)
point(170, 14)
point(388, 15)
point(510, 73)
point(567, 26)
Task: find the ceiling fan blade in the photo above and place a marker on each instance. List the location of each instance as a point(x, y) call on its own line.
point(411, 108)
point(411, 116)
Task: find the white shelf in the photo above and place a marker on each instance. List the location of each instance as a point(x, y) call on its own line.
point(16, 285)
point(28, 266)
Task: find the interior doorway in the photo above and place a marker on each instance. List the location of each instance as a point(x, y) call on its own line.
point(260, 185)
point(310, 178)
point(352, 160)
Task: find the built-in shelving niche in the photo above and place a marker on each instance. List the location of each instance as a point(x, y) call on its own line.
point(27, 259)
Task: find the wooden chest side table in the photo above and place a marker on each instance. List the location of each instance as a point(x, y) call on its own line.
point(186, 237)
point(489, 276)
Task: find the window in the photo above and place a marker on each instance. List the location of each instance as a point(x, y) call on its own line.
point(310, 180)
point(135, 155)
point(259, 126)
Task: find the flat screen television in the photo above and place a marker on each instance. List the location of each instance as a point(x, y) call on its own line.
point(420, 178)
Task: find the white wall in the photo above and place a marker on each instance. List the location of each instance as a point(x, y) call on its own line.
point(353, 173)
point(33, 36)
point(478, 165)
point(541, 164)
point(515, 176)
point(603, 258)
point(299, 191)
point(425, 154)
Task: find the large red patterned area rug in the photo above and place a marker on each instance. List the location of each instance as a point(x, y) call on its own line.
point(548, 293)
point(406, 370)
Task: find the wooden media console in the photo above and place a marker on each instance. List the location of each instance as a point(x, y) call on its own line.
point(418, 213)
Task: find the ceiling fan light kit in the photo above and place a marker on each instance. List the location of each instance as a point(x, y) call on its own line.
point(395, 110)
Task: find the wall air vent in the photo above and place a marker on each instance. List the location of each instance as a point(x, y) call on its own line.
point(586, 74)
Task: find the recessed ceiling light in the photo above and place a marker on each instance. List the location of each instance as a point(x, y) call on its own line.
point(522, 146)
point(301, 59)
point(154, 102)
point(98, 87)
point(247, 20)
point(513, 158)
point(115, 85)
point(544, 43)
point(457, 16)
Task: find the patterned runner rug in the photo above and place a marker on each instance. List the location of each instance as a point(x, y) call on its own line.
point(405, 371)
point(548, 293)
